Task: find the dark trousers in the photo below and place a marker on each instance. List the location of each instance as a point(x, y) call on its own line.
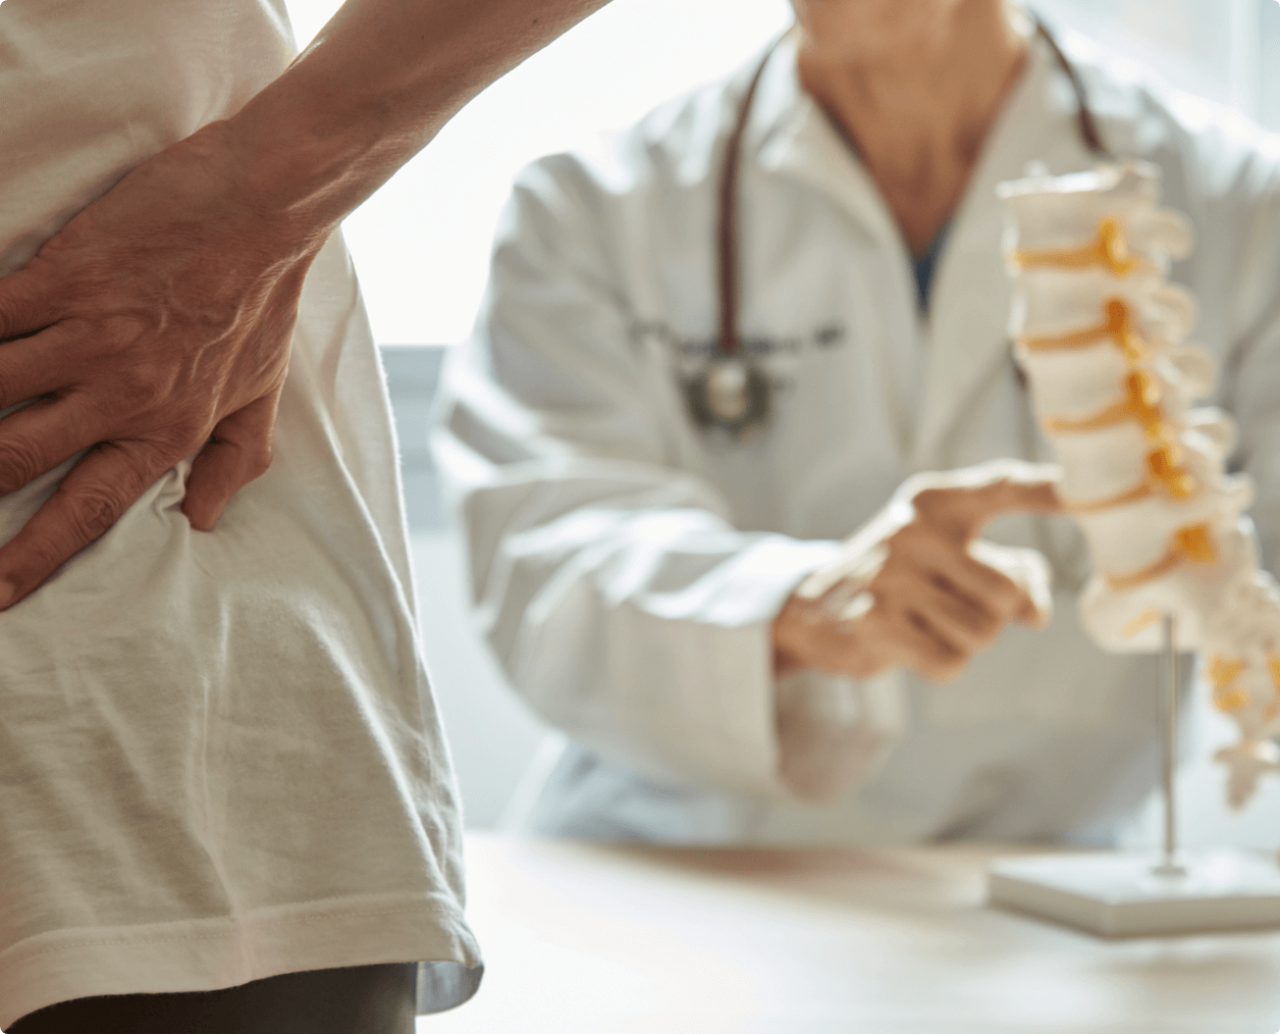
point(358, 1000)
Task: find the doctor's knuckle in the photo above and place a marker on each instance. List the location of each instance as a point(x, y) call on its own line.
point(1003, 593)
point(985, 626)
point(903, 542)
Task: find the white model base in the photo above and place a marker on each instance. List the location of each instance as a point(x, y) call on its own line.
point(1124, 895)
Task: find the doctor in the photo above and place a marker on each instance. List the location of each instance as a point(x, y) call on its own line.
point(672, 516)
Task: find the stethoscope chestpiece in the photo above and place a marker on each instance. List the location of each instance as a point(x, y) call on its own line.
point(730, 395)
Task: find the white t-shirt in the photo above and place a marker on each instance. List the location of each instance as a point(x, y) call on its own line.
point(219, 756)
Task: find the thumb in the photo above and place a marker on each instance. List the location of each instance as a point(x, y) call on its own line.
point(238, 452)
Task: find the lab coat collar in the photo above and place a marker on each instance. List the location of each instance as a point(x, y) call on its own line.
point(794, 138)
point(968, 340)
point(966, 334)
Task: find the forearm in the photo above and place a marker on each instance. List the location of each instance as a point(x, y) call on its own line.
point(373, 88)
point(645, 637)
point(624, 606)
point(645, 634)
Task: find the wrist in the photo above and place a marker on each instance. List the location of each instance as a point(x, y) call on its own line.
point(373, 89)
point(808, 634)
point(789, 633)
point(298, 178)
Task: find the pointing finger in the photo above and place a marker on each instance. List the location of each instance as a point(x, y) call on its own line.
point(923, 649)
point(960, 502)
point(963, 622)
point(965, 569)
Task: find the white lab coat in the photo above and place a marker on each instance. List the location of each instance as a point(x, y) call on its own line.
point(626, 567)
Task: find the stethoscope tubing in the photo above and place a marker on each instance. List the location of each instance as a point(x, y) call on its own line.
point(728, 343)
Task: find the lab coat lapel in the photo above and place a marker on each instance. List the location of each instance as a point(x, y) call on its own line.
point(967, 328)
point(816, 156)
point(795, 140)
point(965, 340)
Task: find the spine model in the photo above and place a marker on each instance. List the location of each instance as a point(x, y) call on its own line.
point(1100, 334)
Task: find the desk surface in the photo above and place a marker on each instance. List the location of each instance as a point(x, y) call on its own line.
point(616, 940)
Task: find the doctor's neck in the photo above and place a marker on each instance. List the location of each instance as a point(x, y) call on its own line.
point(915, 87)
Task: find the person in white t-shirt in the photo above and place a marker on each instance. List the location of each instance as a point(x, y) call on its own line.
point(225, 801)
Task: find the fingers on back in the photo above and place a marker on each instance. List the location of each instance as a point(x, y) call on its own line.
point(28, 303)
point(240, 452)
point(88, 503)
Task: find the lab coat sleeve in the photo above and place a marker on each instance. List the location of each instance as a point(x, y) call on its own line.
point(613, 586)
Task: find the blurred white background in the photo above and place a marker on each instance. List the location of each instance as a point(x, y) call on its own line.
point(421, 247)
point(422, 242)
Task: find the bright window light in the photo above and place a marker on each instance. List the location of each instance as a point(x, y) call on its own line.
point(1207, 47)
point(421, 244)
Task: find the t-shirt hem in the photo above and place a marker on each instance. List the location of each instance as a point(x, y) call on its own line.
point(214, 953)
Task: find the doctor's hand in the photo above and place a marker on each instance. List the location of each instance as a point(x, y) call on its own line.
point(155, 325)
point(915, 587)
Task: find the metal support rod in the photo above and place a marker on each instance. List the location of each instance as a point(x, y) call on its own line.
point(1167, 699)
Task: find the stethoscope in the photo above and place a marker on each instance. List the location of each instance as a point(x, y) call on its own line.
point(731, 394)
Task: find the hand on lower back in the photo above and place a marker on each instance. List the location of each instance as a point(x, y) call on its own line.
point(154, 325)
point(916, 587)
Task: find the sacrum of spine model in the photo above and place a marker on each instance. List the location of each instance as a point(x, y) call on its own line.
point(1101, 334)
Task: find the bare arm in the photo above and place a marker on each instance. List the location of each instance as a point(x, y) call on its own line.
point(157, 322)
point(374, 87)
